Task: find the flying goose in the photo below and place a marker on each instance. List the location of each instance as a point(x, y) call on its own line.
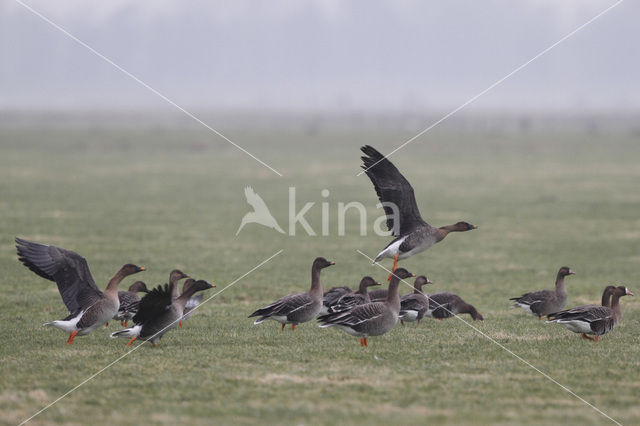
point(349, 300)
point(159, 312)
point(129, 301)
point(413, 234)
point(298, 307)
point(591, 319)
point(370, 319)
point(544, 302)
point(88, 307)
point(445, 305)
point(413, 306)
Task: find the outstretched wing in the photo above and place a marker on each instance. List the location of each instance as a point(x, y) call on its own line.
point(153, 304)
point(393, 188)
point(66, 268)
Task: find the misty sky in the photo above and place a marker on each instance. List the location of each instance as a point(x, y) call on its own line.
point(325, 55)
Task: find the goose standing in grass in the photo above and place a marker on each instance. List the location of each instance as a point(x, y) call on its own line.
point(413, 234)
point(544, 302)
point(192, 303)
point(592, 319)
point(413, 306)
point(445, 305)
point(129, 301)
point(159, 312)
point(89, 308)
point(349, 300)
point(175, 276)
point(370, 319)
point(298, 307)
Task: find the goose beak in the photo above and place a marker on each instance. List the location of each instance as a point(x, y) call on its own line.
point(332, 263)
point(474, 227)
point(213, 285)
point(377, 283)
point(413, 275)
point(628, 293)
point(572, 272)
point(142, 268)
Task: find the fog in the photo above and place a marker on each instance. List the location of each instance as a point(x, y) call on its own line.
point(400, 56)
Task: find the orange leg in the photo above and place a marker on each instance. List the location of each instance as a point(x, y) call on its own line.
point(180, 324)
point(126, 322)
point(131, 341)
point(106, 324)
point(71, 336)
point(293, 327)
point(365, 342)
point(155, 345)
point(596, 338)
point(282, 329)
point(362, 341)
point(395, 266)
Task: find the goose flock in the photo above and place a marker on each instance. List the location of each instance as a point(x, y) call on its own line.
point(362, 313)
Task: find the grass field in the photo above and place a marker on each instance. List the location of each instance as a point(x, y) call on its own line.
point(167, 196)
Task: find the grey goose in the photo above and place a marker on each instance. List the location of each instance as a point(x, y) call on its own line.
point(413, 234)
point(370, 319)
point(129, 301)
point(298, 307)
point(351, 299)
point(413, 306)
point(592, 319)
point(89, 308)
point(544, 302)
point(446, 305)
point(159, 312)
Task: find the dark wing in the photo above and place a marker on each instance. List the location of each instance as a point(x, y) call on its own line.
point(129, 301)
point(414, 302)
point(284, 306)
point(347, 302)
point(392, 187)
point(153, 304)
point(356, 316)
point(587, 313)
point(332, 295)
point(441, 305)
point(535, 298)
point(66, 268)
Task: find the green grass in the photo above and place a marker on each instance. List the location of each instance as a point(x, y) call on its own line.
point(167, 197)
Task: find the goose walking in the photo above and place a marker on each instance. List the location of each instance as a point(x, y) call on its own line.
point(544, 302)
point(413, 306)
point(370, 319)
point(413, 234)
point(298, 307)
point(89, 308)
point(591, 319)
point(159, 312)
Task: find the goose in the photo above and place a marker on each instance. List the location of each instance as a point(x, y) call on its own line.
point(445, 305)
point(175, 276)
point(370, 319)
point(413, 234)
point(349, 300)
point(192, 303)
point(591, 319)
point(129, 301)
point(88, 307)
point(159, 312)
point(544, 302)
point(413, 306)
point(331, 296)
point(298, 307)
